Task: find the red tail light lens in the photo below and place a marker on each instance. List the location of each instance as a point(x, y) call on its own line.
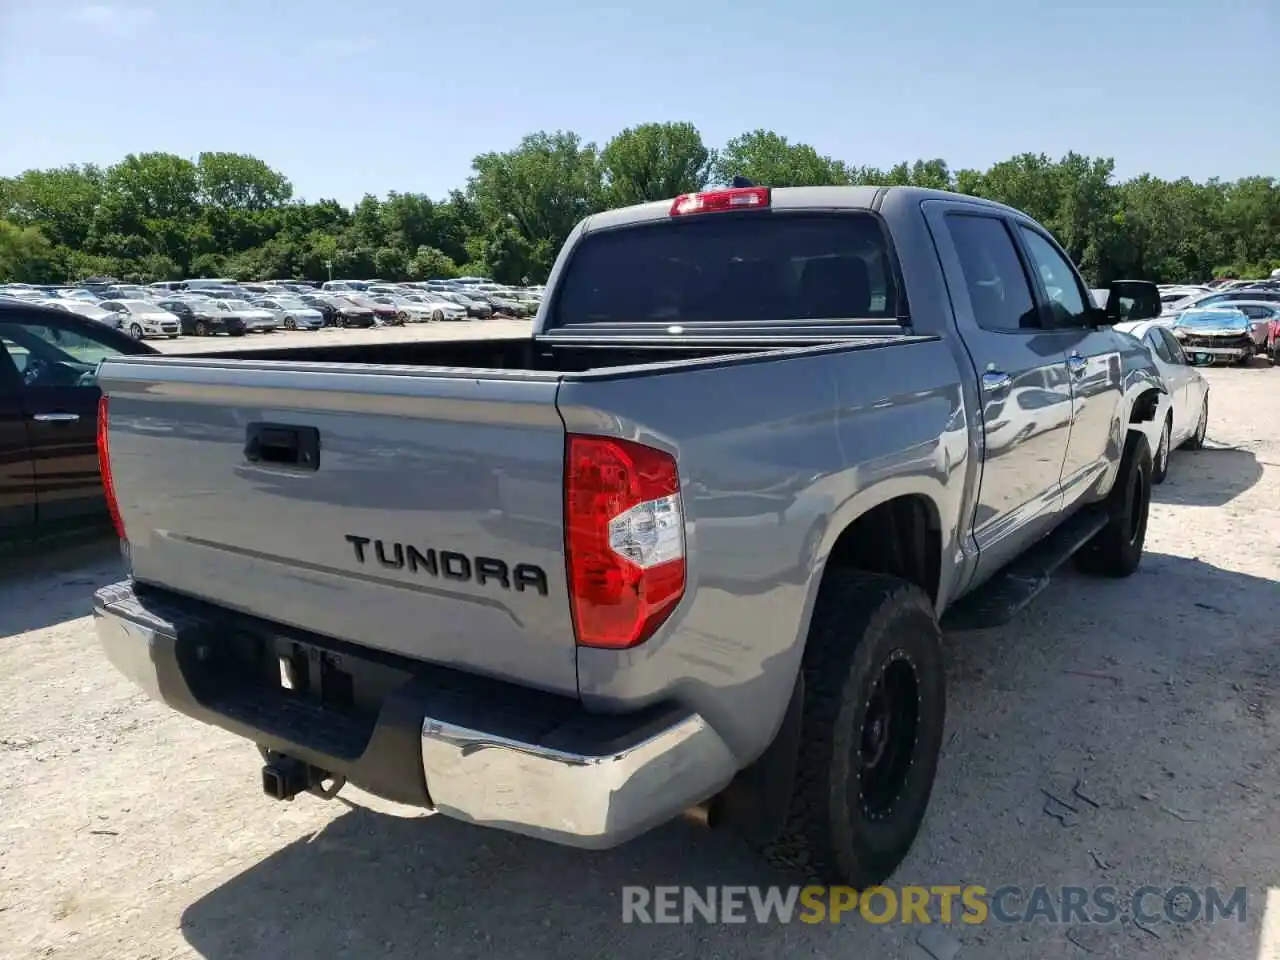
point(624, 540)
point(104, 468)
point(737, 198)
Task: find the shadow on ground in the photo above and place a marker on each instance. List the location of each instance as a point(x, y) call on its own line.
point(1064, 702)
point(42, 588)
point(1209, 477)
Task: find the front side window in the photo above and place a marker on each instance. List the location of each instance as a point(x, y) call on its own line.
point(1066, 302)
point(48, 356)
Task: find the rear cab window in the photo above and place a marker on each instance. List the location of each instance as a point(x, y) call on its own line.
point(762, 268)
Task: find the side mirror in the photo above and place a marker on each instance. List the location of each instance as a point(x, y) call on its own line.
point(1132, 300)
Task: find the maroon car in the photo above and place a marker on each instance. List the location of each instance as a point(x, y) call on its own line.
point(384, 312)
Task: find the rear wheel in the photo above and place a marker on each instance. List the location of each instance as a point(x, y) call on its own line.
point(874, 710)
point(1160, 468)
point(1196, 440)
point(201, 330)
point(437, 316)
point(290, 323)
point(1116, 550)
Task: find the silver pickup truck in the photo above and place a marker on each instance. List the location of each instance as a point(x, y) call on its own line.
point(693, 544)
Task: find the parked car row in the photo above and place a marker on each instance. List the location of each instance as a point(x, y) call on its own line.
point(207, 307)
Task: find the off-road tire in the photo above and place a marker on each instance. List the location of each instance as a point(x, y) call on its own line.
point(1160, 464)
point(865, 627)
point(1116, 549)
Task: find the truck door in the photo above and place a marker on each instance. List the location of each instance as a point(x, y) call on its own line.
point(1024, 382)
point(17, 480)
point(1093, 360)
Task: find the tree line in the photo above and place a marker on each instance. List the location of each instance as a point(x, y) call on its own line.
point(157, 216)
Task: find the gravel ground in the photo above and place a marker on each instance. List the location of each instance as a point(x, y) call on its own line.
point(129, 831)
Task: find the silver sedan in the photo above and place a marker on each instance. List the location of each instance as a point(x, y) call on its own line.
point(291, 313)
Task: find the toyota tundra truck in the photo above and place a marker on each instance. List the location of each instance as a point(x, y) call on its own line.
point(693, 545)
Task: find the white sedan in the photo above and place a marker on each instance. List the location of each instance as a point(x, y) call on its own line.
point(1188, 417)
point(407, 311)
point(435, 307)
point(142, 318)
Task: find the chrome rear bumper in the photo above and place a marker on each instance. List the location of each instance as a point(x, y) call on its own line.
point(545, 769)
point(576, 796)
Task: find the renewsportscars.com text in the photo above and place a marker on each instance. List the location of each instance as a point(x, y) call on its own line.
point(970, 904)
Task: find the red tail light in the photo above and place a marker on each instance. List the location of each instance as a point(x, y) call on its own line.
point(624, 540)
point(104, 467)
point(735, 198)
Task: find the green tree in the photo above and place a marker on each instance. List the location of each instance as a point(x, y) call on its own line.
point(771, 160)
point(26, 255)
point(430, 263)
point(529, 199)
point(654, 161)
point(61, 202)
point(235, 181)
point(146, 188)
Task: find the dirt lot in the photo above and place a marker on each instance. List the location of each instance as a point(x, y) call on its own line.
point(128, 831)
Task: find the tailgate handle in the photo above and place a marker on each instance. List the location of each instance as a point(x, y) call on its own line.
point(283, 444)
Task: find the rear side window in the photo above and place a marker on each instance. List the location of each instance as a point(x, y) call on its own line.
point(1172, 346)
point(763, 268)
point(1156, 343)
point(998, 289)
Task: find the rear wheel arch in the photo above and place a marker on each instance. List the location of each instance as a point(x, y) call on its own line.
point(901, 537)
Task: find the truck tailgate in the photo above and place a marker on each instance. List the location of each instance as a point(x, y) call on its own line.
point(414, 511)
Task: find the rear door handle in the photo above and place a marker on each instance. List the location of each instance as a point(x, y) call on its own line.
point(58, 416)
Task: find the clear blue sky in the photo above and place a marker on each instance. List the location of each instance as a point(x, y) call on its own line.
point(349, 97)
